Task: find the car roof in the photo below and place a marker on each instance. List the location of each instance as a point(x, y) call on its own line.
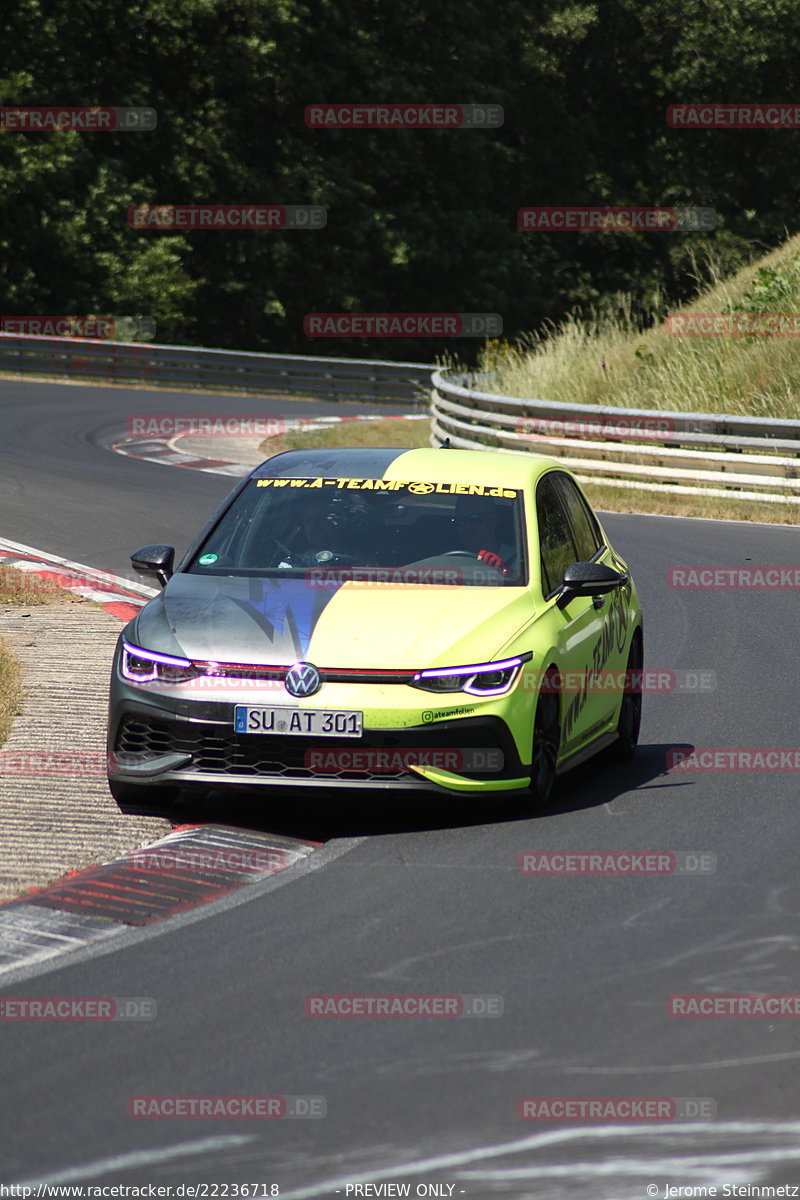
point(432, 465)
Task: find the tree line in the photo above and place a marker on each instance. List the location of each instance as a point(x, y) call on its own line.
point(418, 220)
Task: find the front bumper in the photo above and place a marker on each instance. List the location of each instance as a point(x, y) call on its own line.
point(168, 741)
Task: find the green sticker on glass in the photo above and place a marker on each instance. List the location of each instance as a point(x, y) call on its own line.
point(207, 560)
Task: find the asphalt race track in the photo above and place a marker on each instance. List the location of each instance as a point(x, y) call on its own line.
point(429, 900)
point(58, 477)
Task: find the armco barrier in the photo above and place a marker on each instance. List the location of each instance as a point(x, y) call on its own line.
point(220, 370)
point(746, 458)
point(705, 454)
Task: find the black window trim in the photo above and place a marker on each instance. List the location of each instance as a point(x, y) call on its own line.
point(542, 570)
point(603, 544)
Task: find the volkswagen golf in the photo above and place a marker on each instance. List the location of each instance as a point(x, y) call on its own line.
point(430, 619)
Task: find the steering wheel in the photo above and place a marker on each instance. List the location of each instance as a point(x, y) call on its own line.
point(335, 557)
point(460, 553)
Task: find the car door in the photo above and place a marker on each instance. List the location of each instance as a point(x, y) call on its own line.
point(608, 654)
point(580, 624)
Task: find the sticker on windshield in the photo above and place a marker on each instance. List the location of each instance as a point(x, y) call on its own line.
point(414, 488)
point(206, 560)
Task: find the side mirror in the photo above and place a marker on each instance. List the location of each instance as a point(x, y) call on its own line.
point(154, 560)
point(588, 579)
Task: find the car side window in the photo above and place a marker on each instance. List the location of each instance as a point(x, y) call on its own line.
point(556, 544)
point(585, 529)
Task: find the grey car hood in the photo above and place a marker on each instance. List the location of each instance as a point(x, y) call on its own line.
point(272, 621)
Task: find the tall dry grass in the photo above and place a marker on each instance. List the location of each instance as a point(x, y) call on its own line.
point(616, 358)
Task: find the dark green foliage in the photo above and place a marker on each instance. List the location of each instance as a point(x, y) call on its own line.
point(417, 221)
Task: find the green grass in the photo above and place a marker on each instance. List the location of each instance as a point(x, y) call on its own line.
point(10, 690)
point(390, 431)
point(18, 587)
point(710, 508)
point(605, 496)
point(608, 359)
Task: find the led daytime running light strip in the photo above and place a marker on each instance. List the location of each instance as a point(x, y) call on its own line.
point(475, 668)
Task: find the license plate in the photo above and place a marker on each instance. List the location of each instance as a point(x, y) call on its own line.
point(298, 722)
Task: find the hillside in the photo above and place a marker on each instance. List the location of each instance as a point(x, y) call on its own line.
point(608, 360)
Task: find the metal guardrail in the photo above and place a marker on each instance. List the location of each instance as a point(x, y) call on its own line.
point(692, 453)
point(228, 370)
point(707, 454)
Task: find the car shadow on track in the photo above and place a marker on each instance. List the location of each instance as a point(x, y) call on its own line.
point(319, 815)
point(600, 780)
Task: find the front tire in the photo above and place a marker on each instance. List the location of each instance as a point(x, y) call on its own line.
point(630, 712)
point(546, 740)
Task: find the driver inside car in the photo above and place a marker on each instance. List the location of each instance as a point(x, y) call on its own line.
point(477, 526)
point(322, 530)
point(310, 535)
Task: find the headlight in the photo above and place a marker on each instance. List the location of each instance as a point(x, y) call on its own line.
point(146, 666)
point(479, 679)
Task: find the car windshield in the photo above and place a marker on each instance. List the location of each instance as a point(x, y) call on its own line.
point(371, 530)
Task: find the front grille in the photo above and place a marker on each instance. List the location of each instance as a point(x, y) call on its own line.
point(218, 749)
point(248, 672)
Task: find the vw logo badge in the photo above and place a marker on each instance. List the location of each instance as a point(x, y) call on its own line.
point(302, 680)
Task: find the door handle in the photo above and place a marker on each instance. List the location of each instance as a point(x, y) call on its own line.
point(599, 601)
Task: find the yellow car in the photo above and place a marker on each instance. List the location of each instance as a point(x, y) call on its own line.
point(437, 619)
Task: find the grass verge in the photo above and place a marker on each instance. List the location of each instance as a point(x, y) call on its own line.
point(20, 589)
point(10, 690)
point(708, 508)
point(612, 499)
point(388, 431)
point(610, 359)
